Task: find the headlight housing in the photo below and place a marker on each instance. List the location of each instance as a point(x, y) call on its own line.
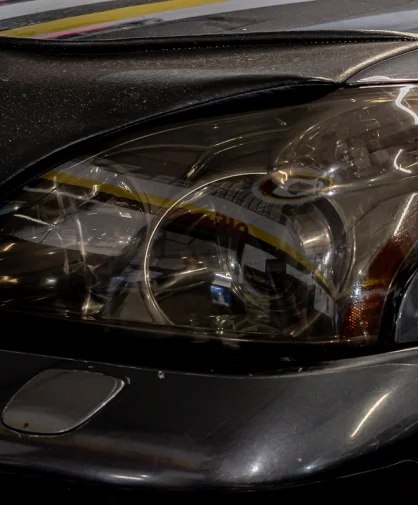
point(287, 225)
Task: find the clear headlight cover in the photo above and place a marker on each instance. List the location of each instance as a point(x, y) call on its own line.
point(287, 225)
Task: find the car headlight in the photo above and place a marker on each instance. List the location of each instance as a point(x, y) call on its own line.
point(287, 225)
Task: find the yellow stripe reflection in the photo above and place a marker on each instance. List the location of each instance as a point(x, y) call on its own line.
point(97, 18)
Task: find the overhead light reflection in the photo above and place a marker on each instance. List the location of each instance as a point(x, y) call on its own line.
point(255, 468)
point(280, 177)
point(222, 276)
point(256, 465)
point(131, 477)
point(309, 468)
point(369, 413)
point(398, 102)
point(8, 280)
point(395, 163)
point(8, 246)
point(331, 170)
point(38, 221)
point(404, 213)
point(375, 78)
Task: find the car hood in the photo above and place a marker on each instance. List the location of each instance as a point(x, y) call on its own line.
point(125, 19)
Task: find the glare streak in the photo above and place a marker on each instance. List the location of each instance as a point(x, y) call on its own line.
point(369, 413)
point(402, 94)
point(395, 163)
point(404, 213)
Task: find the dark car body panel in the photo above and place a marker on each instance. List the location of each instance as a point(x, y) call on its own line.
point(95, 90)
point(177, 431)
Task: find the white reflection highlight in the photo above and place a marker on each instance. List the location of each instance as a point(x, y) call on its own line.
point(131, 478)
point(395, 163)
point(256, 465)
point(374, 78)
point(227, 277)
point(38, 221)
point(357, 290)
point(8, 247)
point(8, 280)
point(59, 192)
point(404, 213)
point(331, 170)
point(280, 177)
point(255, 468)
point(402, 94)
point(369, 413)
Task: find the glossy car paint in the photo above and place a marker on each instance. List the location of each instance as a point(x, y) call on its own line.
point(191, 431)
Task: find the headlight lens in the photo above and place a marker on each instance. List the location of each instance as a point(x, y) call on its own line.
point(288, 225)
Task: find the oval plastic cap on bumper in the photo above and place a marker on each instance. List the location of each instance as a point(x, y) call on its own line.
point(57, 401)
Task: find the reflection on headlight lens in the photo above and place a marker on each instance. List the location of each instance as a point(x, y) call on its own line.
point(284, 225)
